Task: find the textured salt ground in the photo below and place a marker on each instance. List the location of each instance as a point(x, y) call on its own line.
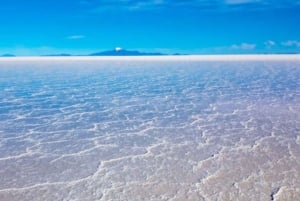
point(186, 130)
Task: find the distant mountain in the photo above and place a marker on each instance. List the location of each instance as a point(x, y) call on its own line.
point(115, 52)
point(123, 52)
point(8, 55)
point(178, 54)
point(58, 55)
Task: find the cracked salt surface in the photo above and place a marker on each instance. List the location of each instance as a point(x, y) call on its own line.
point(156, 129)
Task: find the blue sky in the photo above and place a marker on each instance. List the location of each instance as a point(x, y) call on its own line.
point(36, 27)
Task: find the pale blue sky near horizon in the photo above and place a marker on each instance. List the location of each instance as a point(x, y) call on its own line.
point(37, 27)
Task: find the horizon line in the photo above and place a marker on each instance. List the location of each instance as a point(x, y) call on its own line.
point(207, 57)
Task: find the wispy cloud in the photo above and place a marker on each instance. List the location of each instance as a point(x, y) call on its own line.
point(100, 5)
point(236, 2)
point(76, 37)
point(291, 43)
point(243, 46)
point(269, 44)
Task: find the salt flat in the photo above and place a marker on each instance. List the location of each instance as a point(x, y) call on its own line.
point(150, 128)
